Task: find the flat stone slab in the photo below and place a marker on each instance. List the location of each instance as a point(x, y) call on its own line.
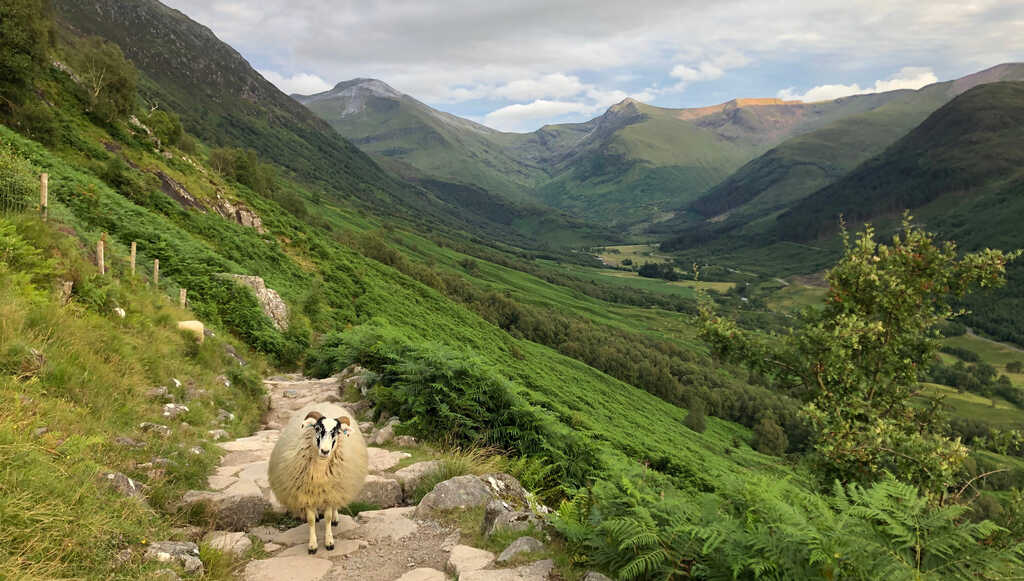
point(299, 535)
point(383, 492)
point(289, 568)
point(423, 574)
point(394, 527)
point(520, 546)
point(539, 571)
point(464, 559)
point(381, 460)
point(227, 542)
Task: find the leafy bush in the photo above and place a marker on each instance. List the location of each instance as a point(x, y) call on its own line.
point(770, 438)
point(696, 419)
point(444, 396)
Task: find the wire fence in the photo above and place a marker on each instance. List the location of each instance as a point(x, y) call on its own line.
point(17, 194)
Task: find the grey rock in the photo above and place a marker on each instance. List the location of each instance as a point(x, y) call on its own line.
point(165, 575)
point(233, 354)
point(384, 492)
point(225, 416)
point(173, 410)
point(517, 520)
point(155, 428)
point(40, 431)
point(405, 441)
point(595, 576)
point(190, 532)
point(508, 489)
point(358, 407)
point(264, 533)
point(218, 434)
point(539, 571)
point(290, 393)
point(519, 546)
point(182, 552)
point(382, 436)
point(366, 427)
point(464, 559)
point(155, 392)
point(458, 492)
point(234, 543)
point(275, 308)
point(229, 511)
point(123, 485)
point(412, 475)
point(297, 568)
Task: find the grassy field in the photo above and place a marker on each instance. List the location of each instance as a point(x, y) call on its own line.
point(995, 411)
point(637, 253)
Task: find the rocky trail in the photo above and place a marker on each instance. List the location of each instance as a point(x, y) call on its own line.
point(410, 543)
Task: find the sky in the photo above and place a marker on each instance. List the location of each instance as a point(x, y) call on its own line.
point(518, 65)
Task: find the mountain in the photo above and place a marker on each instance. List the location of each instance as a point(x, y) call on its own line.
point(223, 101)
point(803, 164)
point(968, 151)
point(629, 165)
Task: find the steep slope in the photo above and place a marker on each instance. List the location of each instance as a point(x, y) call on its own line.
point(385, 122)
point(801, 165)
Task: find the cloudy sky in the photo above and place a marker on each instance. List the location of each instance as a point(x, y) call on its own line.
point(516, 65)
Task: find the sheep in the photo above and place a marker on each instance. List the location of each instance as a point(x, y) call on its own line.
point(196, 327)
point(318, 464)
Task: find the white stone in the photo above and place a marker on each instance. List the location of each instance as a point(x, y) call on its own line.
point(304, 568)
point(423, 574)
point(464, 559)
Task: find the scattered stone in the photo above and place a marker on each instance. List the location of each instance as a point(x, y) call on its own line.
point(156, 428)
point(233, 354)
point(382, 436)
point(405, 441)
point(303, 568)
point(519, 546)
point(225, 416)
point(271, 547)
point(176, 382)
point(173, 410)
point(464, 559)
point(458, 492)
point(384, 492)
point(124, 441)
point(40, 431)
point(208, 333)
point(227, 542)
point(539, 571)
point(412, 475)
point(290, 393)
point(508, 489)
point(160, 461)
point(366, 428)
point(451, 540)
point(423, 574)
point(184, 553)
point(223, 380)
point(218, 434)
point(379, 459)
point(123, 485)
point(595, 576)
point(160, 391)
point(358, 407)
point(516, 520)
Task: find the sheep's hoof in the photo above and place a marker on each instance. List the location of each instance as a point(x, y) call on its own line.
point(329, 547)
point(334, 523)
point(319, 517)
point(312, 551)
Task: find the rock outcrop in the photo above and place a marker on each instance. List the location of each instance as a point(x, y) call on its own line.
point(273, 306)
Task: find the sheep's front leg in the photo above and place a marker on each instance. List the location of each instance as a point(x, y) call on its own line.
point(330, 518)
point(311, 518)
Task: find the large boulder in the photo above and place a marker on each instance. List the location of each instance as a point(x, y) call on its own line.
point(455, 493)
point(520, 546)
point(236, 508)
point(273, 306)
point(464, 559)
point(539, 571)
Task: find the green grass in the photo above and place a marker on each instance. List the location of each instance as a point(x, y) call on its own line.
point(994, 411)
point(87, 386)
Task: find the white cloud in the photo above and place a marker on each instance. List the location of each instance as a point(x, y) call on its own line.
point(301, 83)
point(555, 85)
point(703, 72)
point(514, 117)
point(907, 78)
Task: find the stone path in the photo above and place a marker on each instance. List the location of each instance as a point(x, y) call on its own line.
point(381, 545)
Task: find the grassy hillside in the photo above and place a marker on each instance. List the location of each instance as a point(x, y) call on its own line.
point(75, 381)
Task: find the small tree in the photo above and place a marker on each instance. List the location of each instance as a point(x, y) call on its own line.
point(109, 80)
point(770, 438)
point(857, 361)
point(696, 419)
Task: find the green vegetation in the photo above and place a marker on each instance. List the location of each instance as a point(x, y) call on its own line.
point(74, 378)
point(859, 360)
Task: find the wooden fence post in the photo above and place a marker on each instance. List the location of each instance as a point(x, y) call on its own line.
point(99, 254)
point(131, 259)
point(156, 272)
point(65, 296)
point(44, 195)
point(181, 297)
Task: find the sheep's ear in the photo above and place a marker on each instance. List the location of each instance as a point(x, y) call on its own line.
point(311, 418)
point(344, 420)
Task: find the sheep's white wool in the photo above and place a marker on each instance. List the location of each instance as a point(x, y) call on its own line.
point(196, 327)
point(301, 478)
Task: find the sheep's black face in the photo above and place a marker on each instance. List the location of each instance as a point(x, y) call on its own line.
point(326, 431)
